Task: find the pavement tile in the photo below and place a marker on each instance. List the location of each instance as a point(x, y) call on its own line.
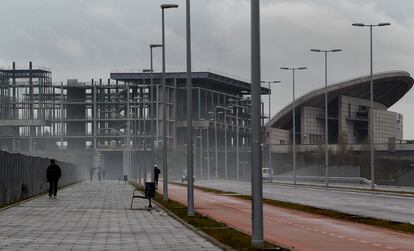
point(94, 216)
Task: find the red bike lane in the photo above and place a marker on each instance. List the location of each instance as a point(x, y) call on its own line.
point(295, 229)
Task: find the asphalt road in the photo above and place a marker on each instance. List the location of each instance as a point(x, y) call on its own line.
point(393, 207)
point(294, 229)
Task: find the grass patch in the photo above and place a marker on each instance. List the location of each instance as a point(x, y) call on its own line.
point(393, 225)
point(217, 230)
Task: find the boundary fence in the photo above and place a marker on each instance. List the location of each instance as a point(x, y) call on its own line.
point(23, 176)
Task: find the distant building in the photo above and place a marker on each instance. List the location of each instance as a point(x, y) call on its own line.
point(348, 112)
point(113, 123)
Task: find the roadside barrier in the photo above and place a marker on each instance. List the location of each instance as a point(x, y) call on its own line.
point(23, 176)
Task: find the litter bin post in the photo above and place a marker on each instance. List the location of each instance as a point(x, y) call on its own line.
point(125, 178)
point(149, 191)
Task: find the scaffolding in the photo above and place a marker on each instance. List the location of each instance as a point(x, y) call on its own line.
point(121, 114)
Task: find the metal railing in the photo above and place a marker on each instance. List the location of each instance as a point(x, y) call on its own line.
point(321, 179)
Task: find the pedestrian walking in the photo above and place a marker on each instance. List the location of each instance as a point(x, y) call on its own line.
point(157, 172)
point(99, 174)
point(53, 175)
point(91, 172)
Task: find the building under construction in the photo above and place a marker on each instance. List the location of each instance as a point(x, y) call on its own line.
point(119, 120)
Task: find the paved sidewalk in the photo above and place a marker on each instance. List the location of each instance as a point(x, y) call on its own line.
point(93, 216)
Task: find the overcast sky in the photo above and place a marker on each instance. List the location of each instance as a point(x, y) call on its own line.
point(87, 39)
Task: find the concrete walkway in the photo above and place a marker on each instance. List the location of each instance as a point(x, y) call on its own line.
point(93, 216)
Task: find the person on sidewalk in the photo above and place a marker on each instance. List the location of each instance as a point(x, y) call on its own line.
point(91, 172)
point(53, 175)
point(99, 174)
point(157, 172)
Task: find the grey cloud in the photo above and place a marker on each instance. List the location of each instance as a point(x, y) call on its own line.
point(86, 39)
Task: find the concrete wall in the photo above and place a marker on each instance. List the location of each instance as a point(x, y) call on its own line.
point(387, 125)
point(279, 136)
point(24, 176)
point(312, 128)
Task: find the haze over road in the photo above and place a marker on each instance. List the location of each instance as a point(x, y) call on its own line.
point(364, 203)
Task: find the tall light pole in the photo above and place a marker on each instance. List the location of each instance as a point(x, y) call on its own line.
point(237, 106)
point(190, 167)
point(164, 106)
point(225, 139)
point(270, 118)
point(293, 69)
point(153, 109)
point(201, 154)
point(371, 112)
point(208, 150)
point(215, 141)
point(237, 140)
point(256, 164)
point(144, 120)
point(326, 109)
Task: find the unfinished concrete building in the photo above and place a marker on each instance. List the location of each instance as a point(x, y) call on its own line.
point(119, 120)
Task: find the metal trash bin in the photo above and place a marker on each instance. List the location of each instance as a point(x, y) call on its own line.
point(149, 189)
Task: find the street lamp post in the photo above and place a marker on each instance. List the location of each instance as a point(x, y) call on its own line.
point(237, 141)
point(190, 167)
point(371, 112)
point(215, 141)
point(256, 155)
point(208, 150)
point(237, 106)
point(201, 154)
point(326, 109)
point(144, 130)
point(164, 106)
point(293, 69)
point(153, 112)
point(195, 151)
point(269, 127)
point(225, 139)
point(128, 126)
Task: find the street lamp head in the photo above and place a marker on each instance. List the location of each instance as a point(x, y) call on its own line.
point(358, 24)
point(336, 50)
point(169, 6)
point(315, 50)
point(302, 68)
point(155, 45)
point(284, 68)
point(384, 24)
point(147, 70)
point(276, 81)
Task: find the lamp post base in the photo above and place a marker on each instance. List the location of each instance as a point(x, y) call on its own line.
point(257, 243)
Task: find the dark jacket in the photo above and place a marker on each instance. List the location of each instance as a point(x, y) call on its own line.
point(53, 173)
point(157, 172)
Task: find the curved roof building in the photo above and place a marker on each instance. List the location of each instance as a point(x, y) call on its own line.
point(348, 109)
